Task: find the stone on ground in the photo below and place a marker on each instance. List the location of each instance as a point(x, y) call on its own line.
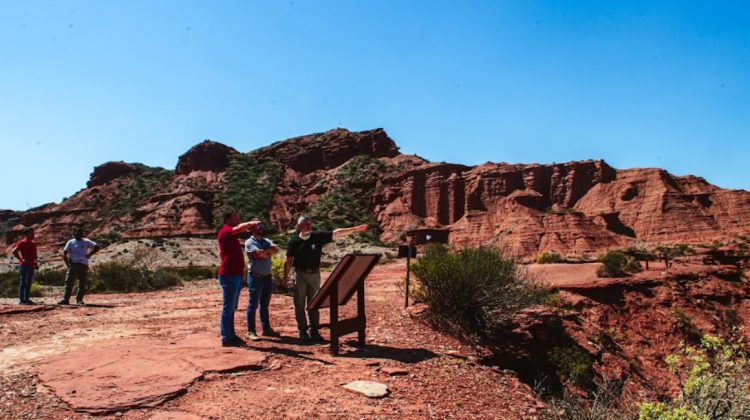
point(368, 389)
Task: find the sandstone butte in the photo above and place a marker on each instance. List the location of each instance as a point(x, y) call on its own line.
point(573, 208)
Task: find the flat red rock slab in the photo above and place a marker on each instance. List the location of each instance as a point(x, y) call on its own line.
point(22, 309)
point(138, 372)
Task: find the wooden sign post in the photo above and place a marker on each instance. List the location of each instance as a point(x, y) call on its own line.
point(346, 279)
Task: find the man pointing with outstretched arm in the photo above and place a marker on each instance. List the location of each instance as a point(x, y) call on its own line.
point(303, 253)
point(230, 273)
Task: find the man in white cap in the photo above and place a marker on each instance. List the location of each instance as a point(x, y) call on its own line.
point(303, 253)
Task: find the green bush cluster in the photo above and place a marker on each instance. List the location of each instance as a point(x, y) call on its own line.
point(137, 188)
point(548, 257)
point(277, 274)
point(713, 382)
point(669, 252)
point(250, 182)
point(123, 277)
point(348, 202)
point(617, 264)
point(9, 285)
point(474, 292)
point(684, 324)
point(573, 364)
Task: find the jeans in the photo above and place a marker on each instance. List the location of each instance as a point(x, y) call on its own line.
point(80, 272)
point(260, 288)
point(24, 284)
point(306, 285)
point(230, 287)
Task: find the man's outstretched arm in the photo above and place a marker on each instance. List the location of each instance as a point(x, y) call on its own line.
point(341, 232)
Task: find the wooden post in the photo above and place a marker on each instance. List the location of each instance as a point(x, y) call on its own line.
point(406, 289)
point(334, 298)
point(361, 313)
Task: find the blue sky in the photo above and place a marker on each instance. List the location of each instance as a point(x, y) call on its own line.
point(639, 84)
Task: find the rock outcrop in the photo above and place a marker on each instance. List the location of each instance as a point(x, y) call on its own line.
point(110, 171)
point(205, 156)
point(572, 208)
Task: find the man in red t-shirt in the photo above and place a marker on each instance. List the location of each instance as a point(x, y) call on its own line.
point(25, 252)
point(230, 273)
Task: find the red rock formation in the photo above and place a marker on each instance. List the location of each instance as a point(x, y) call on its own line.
point(659, 207)
point(205, 156)
point(328, 150)
point(109, 171)
point(571, 208)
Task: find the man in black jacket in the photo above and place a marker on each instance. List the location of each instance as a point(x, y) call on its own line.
point(303, 253)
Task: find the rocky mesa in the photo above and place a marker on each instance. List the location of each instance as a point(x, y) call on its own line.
point(573, 208)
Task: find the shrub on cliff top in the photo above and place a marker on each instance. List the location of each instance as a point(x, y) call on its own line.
point(617, 264)
point(548, 257)
point(473, 293)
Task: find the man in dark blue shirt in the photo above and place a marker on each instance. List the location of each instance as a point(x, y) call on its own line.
point(260, 252)
point(303, 252)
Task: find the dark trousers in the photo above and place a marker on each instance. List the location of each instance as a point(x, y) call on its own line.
point(260, 288)
point(24, 284)
point(75, 272)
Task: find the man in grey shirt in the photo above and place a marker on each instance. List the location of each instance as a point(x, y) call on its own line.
point(260, 252)
point(76, 254)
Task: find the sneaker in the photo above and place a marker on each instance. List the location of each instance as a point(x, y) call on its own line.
point(315, 336)
point(29, 302)
point(63, 302)
point(269, 332)
point(304, 337)
point(233, 342)
point(80, 303)
point(251, 335)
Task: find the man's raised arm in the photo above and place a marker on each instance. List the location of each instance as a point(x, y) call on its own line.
point(242, 227)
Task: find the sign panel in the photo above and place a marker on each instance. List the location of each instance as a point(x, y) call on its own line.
point(347, 275)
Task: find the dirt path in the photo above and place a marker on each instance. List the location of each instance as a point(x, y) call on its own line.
point(425, 377)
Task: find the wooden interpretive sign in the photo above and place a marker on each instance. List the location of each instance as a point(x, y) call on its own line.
point(346, 279)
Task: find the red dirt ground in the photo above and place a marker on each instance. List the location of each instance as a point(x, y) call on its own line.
point(442, 377)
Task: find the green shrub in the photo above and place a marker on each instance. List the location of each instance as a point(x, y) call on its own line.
point(50, 277)
point(473, 293)
point(573, 364)
point(192, 272)
point(608, 400)
point(684, 324)
point(617, 264)
point(9, 285)
point(135, 273)
point(277, 274)
point(640, 253)
point(713, 383)
point(548, 257)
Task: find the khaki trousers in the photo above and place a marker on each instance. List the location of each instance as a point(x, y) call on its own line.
point(306, 285)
